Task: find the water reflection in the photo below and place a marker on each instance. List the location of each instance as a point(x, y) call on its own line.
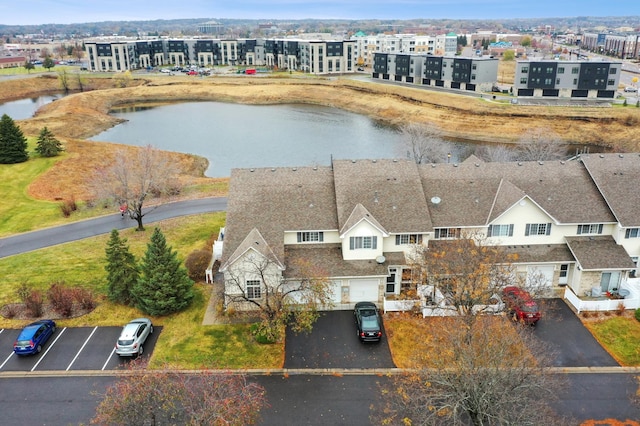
point(25, 108)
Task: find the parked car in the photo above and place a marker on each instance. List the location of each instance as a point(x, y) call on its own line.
point(520, 305)
point(133, 336)
point(33, 337)
point(630, 89)
point(368, 322)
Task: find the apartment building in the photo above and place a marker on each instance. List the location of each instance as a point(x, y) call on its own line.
point(469, 74)
point(366, 46)
point(567, 79)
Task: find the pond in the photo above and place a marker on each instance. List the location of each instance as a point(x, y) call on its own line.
point(25, 108)
point(235, 135)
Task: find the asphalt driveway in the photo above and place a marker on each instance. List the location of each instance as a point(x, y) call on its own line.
point(574, 344)
point(333, 343)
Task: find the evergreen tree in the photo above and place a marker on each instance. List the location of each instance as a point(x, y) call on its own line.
point(48, 145)
point(164, 286)
point(122, 271)
point(13, 144)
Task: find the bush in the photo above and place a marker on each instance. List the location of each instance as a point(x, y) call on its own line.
point(23, 291)
point(196, 264)
point(61, 299)
point(34, 303)
point(10, 311)
point(620, 309)
point(84, 298)
point(637, 314)
point(68, 206)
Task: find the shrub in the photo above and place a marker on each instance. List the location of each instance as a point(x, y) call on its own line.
point(637, 314)
point(84, 298)
point(586, 314)
point(61, 299)
point(196, 264)
point(23, 291)
point(620, 309)
point(68, 206)
point(607, 313)
point(10, 311)
point(34, 303)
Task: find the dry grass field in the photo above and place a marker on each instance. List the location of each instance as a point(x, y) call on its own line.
point(81, 115)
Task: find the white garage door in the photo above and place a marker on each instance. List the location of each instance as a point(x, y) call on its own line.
point(363, 291)
point(540, 276)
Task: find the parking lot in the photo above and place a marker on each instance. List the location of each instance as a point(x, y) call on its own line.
point(69, 349)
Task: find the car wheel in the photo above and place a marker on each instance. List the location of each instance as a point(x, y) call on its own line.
point(39, 349)
point(53, 329)
point(141, 350)
point(151, 330)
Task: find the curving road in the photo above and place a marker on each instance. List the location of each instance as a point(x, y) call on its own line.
point(35, 240)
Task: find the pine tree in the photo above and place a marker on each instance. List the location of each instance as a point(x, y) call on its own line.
point(122, 270)
point(13, 144)
point(48, 145)
point(164, 286)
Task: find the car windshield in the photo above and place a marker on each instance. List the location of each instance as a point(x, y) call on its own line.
point(125, 342)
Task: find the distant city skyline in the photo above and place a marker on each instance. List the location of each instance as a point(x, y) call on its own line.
point(37, 12)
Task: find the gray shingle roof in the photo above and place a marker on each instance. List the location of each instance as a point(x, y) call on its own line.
point(599, 252)
point(389, 189)
point(618, 178)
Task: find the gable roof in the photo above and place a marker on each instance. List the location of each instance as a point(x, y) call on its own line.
point(469, 192)
point(253, 241)
point(275, 200)
point(617, 176)
point(359, 214)
point(390, 190)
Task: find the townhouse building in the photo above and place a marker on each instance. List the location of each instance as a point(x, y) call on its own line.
point(572, 224)
point(623, 46)
point(452, 72)
point(567, 79)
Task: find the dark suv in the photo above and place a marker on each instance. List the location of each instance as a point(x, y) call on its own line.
point(520, 305)
point(368, 322)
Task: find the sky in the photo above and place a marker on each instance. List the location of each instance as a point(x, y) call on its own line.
point(26, 12)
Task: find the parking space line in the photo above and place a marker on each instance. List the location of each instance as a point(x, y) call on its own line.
point(49, 348)
point(85, 344)
point(108, 359)
point(7, 359)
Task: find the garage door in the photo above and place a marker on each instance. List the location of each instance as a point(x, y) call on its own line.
point(539, 276)
point(363, 291)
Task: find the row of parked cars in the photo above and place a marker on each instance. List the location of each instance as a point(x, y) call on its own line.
point(131, 341)
point(518, 303)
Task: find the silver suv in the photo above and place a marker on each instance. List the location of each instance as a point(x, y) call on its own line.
point(133, 336)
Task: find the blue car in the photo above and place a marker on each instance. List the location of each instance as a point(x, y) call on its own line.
point(33, 337)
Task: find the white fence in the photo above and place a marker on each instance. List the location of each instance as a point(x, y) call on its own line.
point(631, 301)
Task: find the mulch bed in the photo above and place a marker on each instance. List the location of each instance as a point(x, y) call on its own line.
point(19, 311)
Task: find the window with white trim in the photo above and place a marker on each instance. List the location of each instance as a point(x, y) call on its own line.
point(443, 233)
point(357, 243)
point(632, 233)
point(253, 289)
point(537, 229)
point(311, 237)
point(500, 231)
point(595, 228)
point(403, 239)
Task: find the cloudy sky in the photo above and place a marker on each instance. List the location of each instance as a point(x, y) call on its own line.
point(78, 11)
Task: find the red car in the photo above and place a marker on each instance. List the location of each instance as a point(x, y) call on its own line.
point(192, 72)
point(520, 305)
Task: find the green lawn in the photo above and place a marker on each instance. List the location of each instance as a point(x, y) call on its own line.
point(620, 336)
point(184, 341)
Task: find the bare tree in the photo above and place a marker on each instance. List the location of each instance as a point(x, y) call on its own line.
point(490, 372)
point(63, 78)
point(294, 302)
point(496, 153)
point(468, 272)
point(541, 144)
point(424, 143)
point(78, 52)
point(131, 180)
point(163, 397)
